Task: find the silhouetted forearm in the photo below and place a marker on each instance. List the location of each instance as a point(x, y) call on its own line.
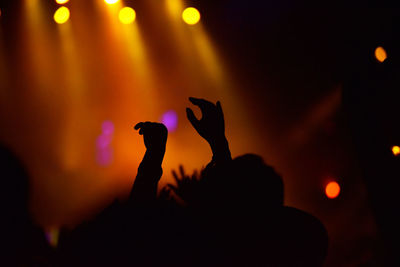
point(149, 173)
point(220, 150)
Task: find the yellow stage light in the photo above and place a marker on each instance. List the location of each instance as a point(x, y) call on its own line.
point(191, 15)
point(396, 150)
point(127, 15)
point(380, 54)
point(61, 15)
point(62, 1)
point(110, 2)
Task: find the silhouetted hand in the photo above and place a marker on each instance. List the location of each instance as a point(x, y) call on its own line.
point(154, 135)
point(186, 187)
point(144, 189)
point(211, 127)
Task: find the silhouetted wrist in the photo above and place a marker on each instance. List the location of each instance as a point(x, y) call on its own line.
point(220, 150)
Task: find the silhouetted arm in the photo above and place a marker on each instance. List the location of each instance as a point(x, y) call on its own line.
point(149, 173)
point(211, 127)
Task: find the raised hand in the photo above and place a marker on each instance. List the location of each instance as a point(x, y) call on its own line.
point(211, 126)
point(154, 135)
point(187, 187)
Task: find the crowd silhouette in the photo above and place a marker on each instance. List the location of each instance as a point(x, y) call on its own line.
point(229, 214)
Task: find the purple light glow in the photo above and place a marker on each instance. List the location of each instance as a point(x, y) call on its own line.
point(107, 127)
point(104, 156)
point(103, 144)
point(103, 141)
point(170, 120)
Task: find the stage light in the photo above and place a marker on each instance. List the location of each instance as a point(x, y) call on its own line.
point(61, 2)
point(380, 54)
point(61, 15)
point(127, 15)
point(332, 190)
point(110, 2)
point(191, 15)
point(170, 120)
point(396, 150)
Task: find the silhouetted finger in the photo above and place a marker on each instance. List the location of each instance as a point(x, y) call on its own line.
point(194, 175)
point(138, 126)
point(202, 103)
point(192, 118)
point(165, 192)
point(182, 171)
point(175, 175)
point(173, 187)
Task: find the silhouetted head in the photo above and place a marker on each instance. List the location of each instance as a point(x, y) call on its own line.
point(14, 192)
point(257, 181)
point(246, 184)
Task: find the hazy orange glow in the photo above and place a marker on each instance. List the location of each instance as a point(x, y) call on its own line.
point(92, 69)
point(396, 150)
point(380, 54)
point(332, 190)
point(61, 15)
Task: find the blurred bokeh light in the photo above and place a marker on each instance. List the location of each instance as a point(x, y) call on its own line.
point(191, 16)
point(170, 120)
point(127, 15)
point(380, 54)
point(61, 15)
point(396, 150)
point(61, 2)
point(110, 2)
point(332, 190)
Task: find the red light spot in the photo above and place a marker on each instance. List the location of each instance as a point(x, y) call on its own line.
point(332, 190)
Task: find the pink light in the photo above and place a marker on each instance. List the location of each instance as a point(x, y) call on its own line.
point(170, 120)
point(104, 156)
point(107, 127)
point(103, 141)
point(104, 151)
